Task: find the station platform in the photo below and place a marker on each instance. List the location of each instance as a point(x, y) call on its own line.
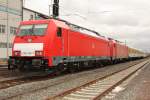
point(138, 88)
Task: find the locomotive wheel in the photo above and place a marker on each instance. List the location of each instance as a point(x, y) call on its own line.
point(59, 69)
point(72, 68)
point(21, 68)
point(11, 67)
point(43, 68)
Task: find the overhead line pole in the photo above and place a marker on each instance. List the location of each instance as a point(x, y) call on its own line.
point(55, 9)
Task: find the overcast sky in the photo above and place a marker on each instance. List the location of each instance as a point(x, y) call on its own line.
point(124, 20)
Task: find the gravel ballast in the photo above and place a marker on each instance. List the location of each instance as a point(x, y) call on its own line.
point(42, 89)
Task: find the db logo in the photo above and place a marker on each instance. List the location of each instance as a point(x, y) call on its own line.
point(29, 40)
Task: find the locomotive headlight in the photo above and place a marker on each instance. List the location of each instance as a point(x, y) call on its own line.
point(17, 53)
point(38, 53)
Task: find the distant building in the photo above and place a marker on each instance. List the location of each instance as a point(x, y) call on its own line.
point(10, 16)
point(29, 14)
point(11, 13)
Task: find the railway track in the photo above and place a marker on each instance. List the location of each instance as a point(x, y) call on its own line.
point(21, 80)
point(3, 68)
point(98, 88)
point(10, 83)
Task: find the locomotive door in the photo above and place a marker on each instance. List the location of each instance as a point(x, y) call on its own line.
point(63, 41)
point(112, 50)
point(60, 41)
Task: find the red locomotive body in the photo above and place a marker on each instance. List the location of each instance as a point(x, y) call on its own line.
point(80, 44)
point(119, 51)
point(51, 43)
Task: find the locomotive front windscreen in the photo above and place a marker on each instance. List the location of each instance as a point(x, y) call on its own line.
point(35, 29)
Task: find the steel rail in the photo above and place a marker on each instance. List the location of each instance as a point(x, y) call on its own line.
point(73, 90)
point(56, 83)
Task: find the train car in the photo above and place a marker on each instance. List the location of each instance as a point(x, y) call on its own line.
point(135, 54)
point(119, 51)
point(52, 43)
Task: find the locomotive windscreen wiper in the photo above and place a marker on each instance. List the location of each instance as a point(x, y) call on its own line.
point(31, 31)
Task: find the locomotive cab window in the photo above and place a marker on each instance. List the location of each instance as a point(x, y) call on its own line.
point(33, 29)
point(59, 32)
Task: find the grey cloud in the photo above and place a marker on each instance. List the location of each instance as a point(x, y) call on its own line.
point(121, 19)
point(118, 20)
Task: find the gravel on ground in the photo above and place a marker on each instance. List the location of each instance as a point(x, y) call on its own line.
point(138, 88)
point(43, 89)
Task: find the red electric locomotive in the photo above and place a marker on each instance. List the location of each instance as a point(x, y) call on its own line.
point(57, 44)
point(119, 51)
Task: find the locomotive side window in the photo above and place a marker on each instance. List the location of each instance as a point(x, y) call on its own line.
point(59, 32)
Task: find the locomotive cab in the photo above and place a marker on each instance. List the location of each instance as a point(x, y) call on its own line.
point(32, 45)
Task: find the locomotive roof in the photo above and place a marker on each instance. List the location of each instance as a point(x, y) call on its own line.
point(35, 22)
point(67, 25)
point(60, 24)
point(57, 22)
